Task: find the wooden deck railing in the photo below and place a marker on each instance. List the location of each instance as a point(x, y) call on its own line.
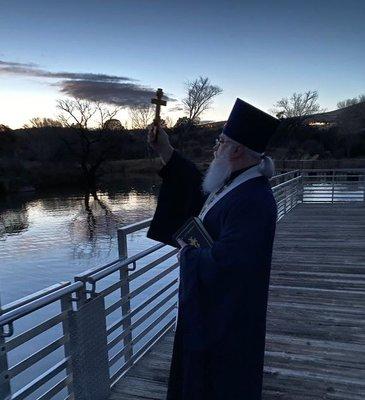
point(76, 339)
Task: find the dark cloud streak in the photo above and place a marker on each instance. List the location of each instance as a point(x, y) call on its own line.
point(110, 89)
point(121, 94)
point(33, 70)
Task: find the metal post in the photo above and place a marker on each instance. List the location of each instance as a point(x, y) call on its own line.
point(333, 186)
point(81, 297)
point(66, 305)
point(302, 183)
point(5, 391)
point(296, 193)
point(285, 199)
point(125, 290)
point(89, 350)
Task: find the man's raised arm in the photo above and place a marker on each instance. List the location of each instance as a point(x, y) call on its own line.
point(180, 195)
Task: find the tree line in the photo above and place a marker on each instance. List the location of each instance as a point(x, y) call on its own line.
point(88, 134)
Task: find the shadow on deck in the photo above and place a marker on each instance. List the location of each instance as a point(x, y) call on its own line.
point(316, 313)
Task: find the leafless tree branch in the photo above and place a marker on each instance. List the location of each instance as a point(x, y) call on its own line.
point(200, 94)
point(299, 104)
point(351, 102)
point(141, 116)
point(78, 111)
point(106, 113)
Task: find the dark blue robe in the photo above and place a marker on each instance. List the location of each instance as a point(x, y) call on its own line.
point(220, 337)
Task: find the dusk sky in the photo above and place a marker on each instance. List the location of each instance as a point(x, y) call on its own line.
point(258, 51)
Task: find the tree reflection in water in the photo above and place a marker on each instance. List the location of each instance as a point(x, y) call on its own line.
point(93, 229)
point(14, 221)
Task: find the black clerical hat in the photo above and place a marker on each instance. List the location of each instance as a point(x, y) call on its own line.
point(250, 126)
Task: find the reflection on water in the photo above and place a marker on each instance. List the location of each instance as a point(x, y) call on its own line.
point(50, 238)
point(13, 222)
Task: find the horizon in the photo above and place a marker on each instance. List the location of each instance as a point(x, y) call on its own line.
point(258, 52)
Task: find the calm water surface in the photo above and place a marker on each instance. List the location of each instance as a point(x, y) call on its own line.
point(51, 237)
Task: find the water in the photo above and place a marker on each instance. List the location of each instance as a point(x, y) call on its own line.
point(50, 238)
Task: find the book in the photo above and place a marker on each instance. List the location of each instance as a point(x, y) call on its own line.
point(194, 233)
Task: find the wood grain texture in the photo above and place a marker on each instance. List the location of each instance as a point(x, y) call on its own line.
point(316, 313)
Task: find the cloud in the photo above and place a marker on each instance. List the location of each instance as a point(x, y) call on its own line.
point(15, 64)
point(121, 94)
point(177, 107)
point(14, 68)
point(110, 89)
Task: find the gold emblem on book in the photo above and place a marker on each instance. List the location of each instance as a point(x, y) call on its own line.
point(193, 242)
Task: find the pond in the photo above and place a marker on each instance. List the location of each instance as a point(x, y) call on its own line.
point(52, 237)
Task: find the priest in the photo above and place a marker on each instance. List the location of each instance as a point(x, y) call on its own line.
point(219, 342)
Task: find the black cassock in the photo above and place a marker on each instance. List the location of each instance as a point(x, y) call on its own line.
point(219, 341)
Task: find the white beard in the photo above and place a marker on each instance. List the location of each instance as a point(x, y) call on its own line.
point(219, 170)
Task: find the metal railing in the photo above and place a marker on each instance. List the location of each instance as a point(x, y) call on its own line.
point(76, 338)
point(340, 185)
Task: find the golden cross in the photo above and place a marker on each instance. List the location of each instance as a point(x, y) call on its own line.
point(159, 102)
point(193, 242)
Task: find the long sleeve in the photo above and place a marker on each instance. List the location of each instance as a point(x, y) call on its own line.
point(180, 197)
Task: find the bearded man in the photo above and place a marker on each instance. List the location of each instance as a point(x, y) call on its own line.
point(219, 341)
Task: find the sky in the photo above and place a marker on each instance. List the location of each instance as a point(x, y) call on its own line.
point(121, 51)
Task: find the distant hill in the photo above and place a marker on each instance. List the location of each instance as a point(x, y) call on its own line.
point(352, 118)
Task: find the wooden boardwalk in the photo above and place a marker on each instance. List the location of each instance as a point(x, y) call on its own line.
point(315, 342)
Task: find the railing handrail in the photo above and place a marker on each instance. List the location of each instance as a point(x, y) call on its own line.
point(27, 308)
point(332, 169)
point(83, 275)
point(136, 226)
point(284, 174)
point(123, 263)
point(286, 183)
point(34, 296)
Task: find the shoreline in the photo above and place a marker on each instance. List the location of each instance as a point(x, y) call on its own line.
point(34, 176)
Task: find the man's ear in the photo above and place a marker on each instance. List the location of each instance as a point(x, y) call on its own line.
point(238, 152)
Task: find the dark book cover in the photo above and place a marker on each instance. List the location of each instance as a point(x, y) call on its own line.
point(194, 233)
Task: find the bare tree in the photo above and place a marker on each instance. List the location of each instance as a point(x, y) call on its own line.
point(38, 122)
point(106, 113)
point(4, 128)
point(351, 102)
point(200, 94)
point(89, 148)
point(141, 116)
point(298, 105)
point(76, 112)
point(199, 97)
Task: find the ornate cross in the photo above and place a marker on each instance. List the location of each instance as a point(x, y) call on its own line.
point(159, 102)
